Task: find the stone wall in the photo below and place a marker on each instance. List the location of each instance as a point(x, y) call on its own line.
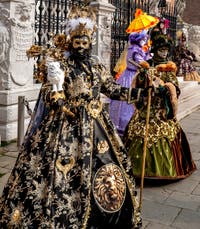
point(191, 14)
point(16, 71)
point(17, 33)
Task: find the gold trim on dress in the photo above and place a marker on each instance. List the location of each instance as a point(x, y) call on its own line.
point(65, 168)
point(94, 108)
point(16, 216)
point(102, 146)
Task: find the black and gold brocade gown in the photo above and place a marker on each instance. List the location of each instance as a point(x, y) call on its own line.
point(168, 154)
point(72, 170)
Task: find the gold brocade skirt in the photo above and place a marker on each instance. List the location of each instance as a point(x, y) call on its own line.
point(192, 76)
point(164, 160)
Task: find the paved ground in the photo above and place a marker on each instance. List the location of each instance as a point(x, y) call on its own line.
point(171, 206)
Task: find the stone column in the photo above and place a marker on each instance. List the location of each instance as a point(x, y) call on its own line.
point(102, 48)
point(103, 39)
point(194, 43)
point(16, 71)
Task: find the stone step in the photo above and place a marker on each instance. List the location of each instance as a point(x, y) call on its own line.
point(189, 99)
point(188, 93)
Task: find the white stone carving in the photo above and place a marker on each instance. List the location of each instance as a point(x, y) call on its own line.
point(22, 38)
point(194, 43)
point(180, 10)
point(22, 41)
point(104, 42)
point(154, 7)
point(16, 72)
point(4, 49)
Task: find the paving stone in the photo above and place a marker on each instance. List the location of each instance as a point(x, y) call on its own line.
point(4, 179)
point(186, 186)
point(197, 190)
point(1, 188)
point(12, 154)
point(156, 194)
point(196, 156)
point(7, 162)
point(197, 164)
point(12, 147)
point(191, 128)
point(158, 226)
point(2, 150)
point(144, 224)
point(159, 213)
point(183, 200)
point(4, 170)
point(3, 163)
point(194, 142)
point(196, 175)
point(187, 219)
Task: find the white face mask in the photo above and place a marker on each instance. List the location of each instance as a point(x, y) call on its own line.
point(81, 43)
point(143, 42)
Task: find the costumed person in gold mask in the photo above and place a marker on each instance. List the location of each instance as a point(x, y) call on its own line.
point(184, 59)
point(72, 170)
point(167, 150)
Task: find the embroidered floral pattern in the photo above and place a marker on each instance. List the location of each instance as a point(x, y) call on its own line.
point(50, 185)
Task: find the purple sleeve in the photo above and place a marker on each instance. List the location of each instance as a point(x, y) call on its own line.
point(138, 54)
point(138, 57)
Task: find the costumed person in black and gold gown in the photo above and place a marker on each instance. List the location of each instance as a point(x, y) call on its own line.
point(168, 155)
point(72, 170)
point(184, 59)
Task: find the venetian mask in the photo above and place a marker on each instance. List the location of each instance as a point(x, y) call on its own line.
point(143, 42)
point(81, 46)
point(163, 52)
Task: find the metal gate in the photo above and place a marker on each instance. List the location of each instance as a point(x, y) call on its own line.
point(170, 12)
point(123, 15)
point(50, 16)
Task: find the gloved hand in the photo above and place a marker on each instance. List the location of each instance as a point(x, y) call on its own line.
point(144, 64)
point(157, 82)
point(144, 91)
point(57, 99)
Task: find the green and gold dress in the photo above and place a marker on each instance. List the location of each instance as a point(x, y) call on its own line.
point(168, 153)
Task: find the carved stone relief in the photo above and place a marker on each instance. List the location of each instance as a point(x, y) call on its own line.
point(22, 38)
point(4, 49)
point(180, 10)
point(194, 40)
point(105, 39)
point(154, 7)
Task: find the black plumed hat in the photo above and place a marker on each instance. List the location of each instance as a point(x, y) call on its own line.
point(159, 41)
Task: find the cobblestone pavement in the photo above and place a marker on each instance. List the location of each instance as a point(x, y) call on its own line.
point(165, 206)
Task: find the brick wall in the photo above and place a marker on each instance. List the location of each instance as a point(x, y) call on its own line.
point(191, 13)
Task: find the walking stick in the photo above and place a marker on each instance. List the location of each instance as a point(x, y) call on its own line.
point(150, 72)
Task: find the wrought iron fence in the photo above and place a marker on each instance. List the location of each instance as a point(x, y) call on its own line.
point(50, 16)
point(122, 17)
point(170, 12)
